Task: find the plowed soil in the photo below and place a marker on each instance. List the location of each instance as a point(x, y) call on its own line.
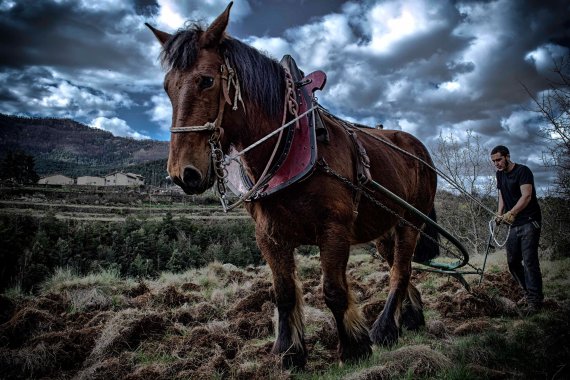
point(186, 330)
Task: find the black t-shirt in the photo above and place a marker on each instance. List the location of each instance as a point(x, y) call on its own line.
point(510, 186)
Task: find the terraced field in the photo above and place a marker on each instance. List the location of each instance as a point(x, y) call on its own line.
point(111, 206)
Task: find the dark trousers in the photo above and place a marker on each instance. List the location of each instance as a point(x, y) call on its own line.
point(522, 247)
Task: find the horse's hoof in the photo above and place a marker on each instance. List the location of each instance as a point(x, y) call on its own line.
point(412, 318)
point(294, 361)
point(356, 351)
point(384, 333)
point(292, 357)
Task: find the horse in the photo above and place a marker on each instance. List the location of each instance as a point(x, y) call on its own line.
point(227, 95)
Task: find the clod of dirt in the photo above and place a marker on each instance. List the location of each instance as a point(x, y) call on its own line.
point(372, 309)
point(207, 351)
point(27, 362)
point(204, 312)
point(190, 287)
point(88, 299)
point(126, 329)
point(253, 325)
point(502, 284)
point(472, 327)
point(467, 305)
point(436, 328)
point(183, 316)
point(140, 289)
point(24, 324)
point(111, 368)
point(417, 361)
point(69, 348)
point(379, 372)
point(264, 366)
point(150, 372)
point(170, 297)
point(252, 302)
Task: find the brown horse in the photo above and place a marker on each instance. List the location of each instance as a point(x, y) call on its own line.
point(322, 209)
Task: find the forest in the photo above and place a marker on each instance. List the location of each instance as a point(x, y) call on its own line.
point(36, 244)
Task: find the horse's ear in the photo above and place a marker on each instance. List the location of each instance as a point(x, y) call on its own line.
point(215, 33)
point(161, 36)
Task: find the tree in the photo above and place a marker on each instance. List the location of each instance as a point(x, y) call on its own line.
point(18, 167)
point(466, 165)
point(554, 105)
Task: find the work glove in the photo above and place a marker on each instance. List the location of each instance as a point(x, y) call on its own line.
point(498, 219)
point(508, 217)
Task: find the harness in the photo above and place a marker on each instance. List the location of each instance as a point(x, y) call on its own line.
point(296, 139)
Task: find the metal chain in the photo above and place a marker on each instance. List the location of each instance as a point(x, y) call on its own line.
point(327, 169)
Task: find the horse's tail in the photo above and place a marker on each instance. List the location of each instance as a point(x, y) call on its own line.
point(428, 245)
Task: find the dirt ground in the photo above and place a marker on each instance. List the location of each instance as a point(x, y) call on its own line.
point(219, 323)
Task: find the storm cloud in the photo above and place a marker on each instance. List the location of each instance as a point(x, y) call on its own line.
point(429, 68)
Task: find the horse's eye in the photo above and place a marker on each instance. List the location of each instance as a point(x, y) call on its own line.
point(206, 82)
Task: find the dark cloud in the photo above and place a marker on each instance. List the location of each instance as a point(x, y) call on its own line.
point(422, 66)
point(273, 18)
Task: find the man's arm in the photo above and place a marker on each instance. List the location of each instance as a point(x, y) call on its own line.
point(501, 205)
point(524, 200)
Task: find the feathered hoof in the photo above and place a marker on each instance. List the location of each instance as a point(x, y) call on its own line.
point(412, 317)
point(291, 357)
point(294, 360)
point(384, 332)
point(355, 350)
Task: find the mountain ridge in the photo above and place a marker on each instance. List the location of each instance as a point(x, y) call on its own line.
point(68, 147)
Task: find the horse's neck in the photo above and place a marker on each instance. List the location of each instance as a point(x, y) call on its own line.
point(252, 129)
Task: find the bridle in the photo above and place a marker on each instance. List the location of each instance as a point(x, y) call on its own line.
point(219, 159)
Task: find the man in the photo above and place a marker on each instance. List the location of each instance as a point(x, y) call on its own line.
point(518, 206)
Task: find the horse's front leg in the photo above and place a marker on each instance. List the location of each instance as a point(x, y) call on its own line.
point(385, 329)
point(354, 342)
point(290, 340)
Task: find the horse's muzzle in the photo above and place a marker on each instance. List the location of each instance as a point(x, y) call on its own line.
point(192, 181)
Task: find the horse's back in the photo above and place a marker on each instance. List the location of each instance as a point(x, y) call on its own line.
point(399, 157)
point(395, 141)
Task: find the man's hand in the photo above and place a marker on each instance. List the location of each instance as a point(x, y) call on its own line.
point(498, 219)
point(508, 217)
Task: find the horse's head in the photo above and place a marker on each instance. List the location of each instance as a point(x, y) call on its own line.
point(194, 85)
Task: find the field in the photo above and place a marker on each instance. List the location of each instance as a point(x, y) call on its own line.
point(217, 321)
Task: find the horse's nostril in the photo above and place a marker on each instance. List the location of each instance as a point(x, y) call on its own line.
point(191, 177)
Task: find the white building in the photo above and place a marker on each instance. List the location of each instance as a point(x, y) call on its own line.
point(124, 179)
point(91, 181)
point(57, 179)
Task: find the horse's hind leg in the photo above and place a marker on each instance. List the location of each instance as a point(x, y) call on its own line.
point(354, 341)
point(412, 306)
point(386, 327)
point(290, 340)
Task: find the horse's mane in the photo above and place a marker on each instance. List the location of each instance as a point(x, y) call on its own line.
point(262, 79)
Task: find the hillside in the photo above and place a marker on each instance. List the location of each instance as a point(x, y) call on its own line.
point(64, 146)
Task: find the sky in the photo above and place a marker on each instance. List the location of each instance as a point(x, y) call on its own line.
point(427, 67)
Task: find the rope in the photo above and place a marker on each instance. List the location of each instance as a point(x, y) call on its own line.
point(268, 136)
point(493, 228)
point(436, 170)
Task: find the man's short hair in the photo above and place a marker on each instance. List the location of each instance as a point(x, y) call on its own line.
point(501, 149)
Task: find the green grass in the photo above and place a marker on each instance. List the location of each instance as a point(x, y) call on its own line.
point(66, 277)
